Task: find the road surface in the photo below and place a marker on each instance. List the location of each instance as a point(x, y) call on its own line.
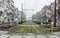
point(28, 36)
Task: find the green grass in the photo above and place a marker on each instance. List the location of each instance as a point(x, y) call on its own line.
point(4, 25)
point(18, 29)
point(14, 29)
point(29, 23)
point(39, 30)
point(22, 29)
point(28, 29)
point(7, 25)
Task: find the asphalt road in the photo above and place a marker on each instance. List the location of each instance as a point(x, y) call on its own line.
point(29, 36)
point(3, 30)
point(4, 35)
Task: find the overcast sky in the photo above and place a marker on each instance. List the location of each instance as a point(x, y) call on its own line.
point(32, 4)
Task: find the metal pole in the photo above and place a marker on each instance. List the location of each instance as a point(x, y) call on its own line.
point(22, 7)
point(21, 11)
point(55, 15)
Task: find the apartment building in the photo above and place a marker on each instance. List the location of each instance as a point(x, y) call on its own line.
point(47, 12)
point(8, 12)
point(2, 11)
point(59, 9)
point(34, 18)
point(17, 15)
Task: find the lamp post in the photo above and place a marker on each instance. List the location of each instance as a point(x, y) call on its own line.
point(55, 14)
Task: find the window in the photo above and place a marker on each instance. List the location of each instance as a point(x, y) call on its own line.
point(8, 1)
point(0, 1)
point(10, 13)
point(0, 5)
point(1, 13)
point(8, 20)
point(5, 17)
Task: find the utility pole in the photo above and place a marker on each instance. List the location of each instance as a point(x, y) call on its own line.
point(29, 10)
point(22, 7)
point(55, 15)
point(21, 11)
point(54, 18)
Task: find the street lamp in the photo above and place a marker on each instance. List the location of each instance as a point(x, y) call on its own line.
point(55, 14)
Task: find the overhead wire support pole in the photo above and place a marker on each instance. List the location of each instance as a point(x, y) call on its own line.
point(34, 4)
point(22, 7)
point(55, 14)
point(21, 11)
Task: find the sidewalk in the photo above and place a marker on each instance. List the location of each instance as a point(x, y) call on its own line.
point(3, 32)
point(56, 33)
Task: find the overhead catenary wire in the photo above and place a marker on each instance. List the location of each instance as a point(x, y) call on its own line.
point(34, 4)
point(24, 3)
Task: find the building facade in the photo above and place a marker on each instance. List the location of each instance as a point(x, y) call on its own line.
point(8, 12)
point(59, 9)
point(47, 12)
